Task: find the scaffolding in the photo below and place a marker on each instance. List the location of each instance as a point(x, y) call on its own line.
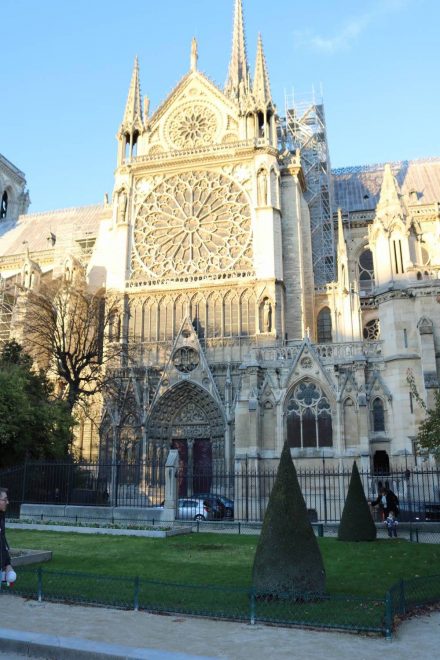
point(305, 130)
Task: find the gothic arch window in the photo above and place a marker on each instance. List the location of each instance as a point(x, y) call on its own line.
point(371, 330)
point(231, 315)
point(4, 205)
point(378, 415)
point(150, 314)
point(135, 321)
point(324, 326)
point(366, 272)
point(247, 307)
point(350, 422)
point(198, 315)
point(214, 322)
point(165, 319)
point(309, 420)
point(180, 311)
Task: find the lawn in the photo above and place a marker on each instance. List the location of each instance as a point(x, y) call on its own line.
point(362, 569)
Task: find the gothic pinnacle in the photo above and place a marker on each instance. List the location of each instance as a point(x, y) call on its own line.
point(261, 88)
point(238, 76)
point(133, 108)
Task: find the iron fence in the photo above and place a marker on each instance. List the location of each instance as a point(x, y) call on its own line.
point(244, 493)
point(337, 611)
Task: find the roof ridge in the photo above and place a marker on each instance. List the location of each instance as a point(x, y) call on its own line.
point(355, 169)
point(64, 210)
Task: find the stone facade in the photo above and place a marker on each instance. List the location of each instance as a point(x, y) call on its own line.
point(207, 244)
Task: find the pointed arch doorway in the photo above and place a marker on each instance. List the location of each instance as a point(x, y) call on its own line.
point(188, 419)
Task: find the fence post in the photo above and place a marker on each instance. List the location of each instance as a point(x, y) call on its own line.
point(136, 594)
point(325, 487)
point(252, 607)
point(388, 616)
point(40, 584)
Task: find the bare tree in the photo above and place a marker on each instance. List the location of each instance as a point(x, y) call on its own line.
point(75, 335)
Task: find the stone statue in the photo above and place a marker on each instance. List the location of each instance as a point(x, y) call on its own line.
point(122, 206)
point(194, 55)
point(267, 316)
point(262, 188)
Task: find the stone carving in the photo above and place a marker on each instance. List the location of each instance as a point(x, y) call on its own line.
point(267, 316)
point(193, 125)
point(262, 188)
point(122, 206)
point(372, 330)
point(195, 222)
point(185, 359)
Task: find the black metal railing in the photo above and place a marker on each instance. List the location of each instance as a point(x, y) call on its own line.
point(244, 493)
point(334, 611)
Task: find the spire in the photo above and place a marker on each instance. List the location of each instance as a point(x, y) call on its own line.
point(261, 88)
point(238, 76)
point(341, 238)
point(342, 254)
point(133, 110)
point(390, 204)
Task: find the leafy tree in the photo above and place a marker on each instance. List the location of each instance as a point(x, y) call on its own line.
point(428, 436)
point(357, 523)
point(287, 558)
point(33, 424)
point(65, 328)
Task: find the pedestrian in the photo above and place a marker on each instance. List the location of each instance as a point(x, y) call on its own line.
point(391, 525)
point(8, 574)
point(387, 501)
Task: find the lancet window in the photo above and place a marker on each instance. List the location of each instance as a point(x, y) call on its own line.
point(366, 272)
point(324, 326)
point(309, 420)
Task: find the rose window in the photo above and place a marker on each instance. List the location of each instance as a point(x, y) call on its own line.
point(197, 222)
point(192, 126)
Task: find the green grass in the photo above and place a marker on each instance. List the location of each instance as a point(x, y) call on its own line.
point(364, 569)
point(188, 564)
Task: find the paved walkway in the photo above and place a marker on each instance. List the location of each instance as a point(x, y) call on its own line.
point(67, 632)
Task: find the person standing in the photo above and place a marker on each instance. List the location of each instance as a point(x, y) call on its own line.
point(391, 525)
point(8, 573)
point(387, 501)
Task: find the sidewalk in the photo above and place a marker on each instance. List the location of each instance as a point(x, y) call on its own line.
point(74, 632)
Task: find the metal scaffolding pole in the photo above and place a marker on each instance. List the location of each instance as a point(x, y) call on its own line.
point(305, 130)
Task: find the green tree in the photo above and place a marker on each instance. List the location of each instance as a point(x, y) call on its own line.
point(33, 424)
point(287, 558)
point(357, 523)
point(428, 436)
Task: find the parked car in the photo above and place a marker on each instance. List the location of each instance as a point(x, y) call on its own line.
point(194, 508)
point(414, 511)
point(224, 504)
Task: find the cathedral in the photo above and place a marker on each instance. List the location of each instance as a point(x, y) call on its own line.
point(264, 296)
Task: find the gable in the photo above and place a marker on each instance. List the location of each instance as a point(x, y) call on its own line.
point(195, 115)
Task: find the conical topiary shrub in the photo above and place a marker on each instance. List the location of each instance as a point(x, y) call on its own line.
point(287, 558)
point(357, 523)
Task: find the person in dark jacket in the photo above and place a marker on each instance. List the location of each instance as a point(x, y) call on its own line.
point(7, 572)
point(387, 501)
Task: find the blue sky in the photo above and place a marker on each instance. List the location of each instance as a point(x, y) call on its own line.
point(66, 66)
